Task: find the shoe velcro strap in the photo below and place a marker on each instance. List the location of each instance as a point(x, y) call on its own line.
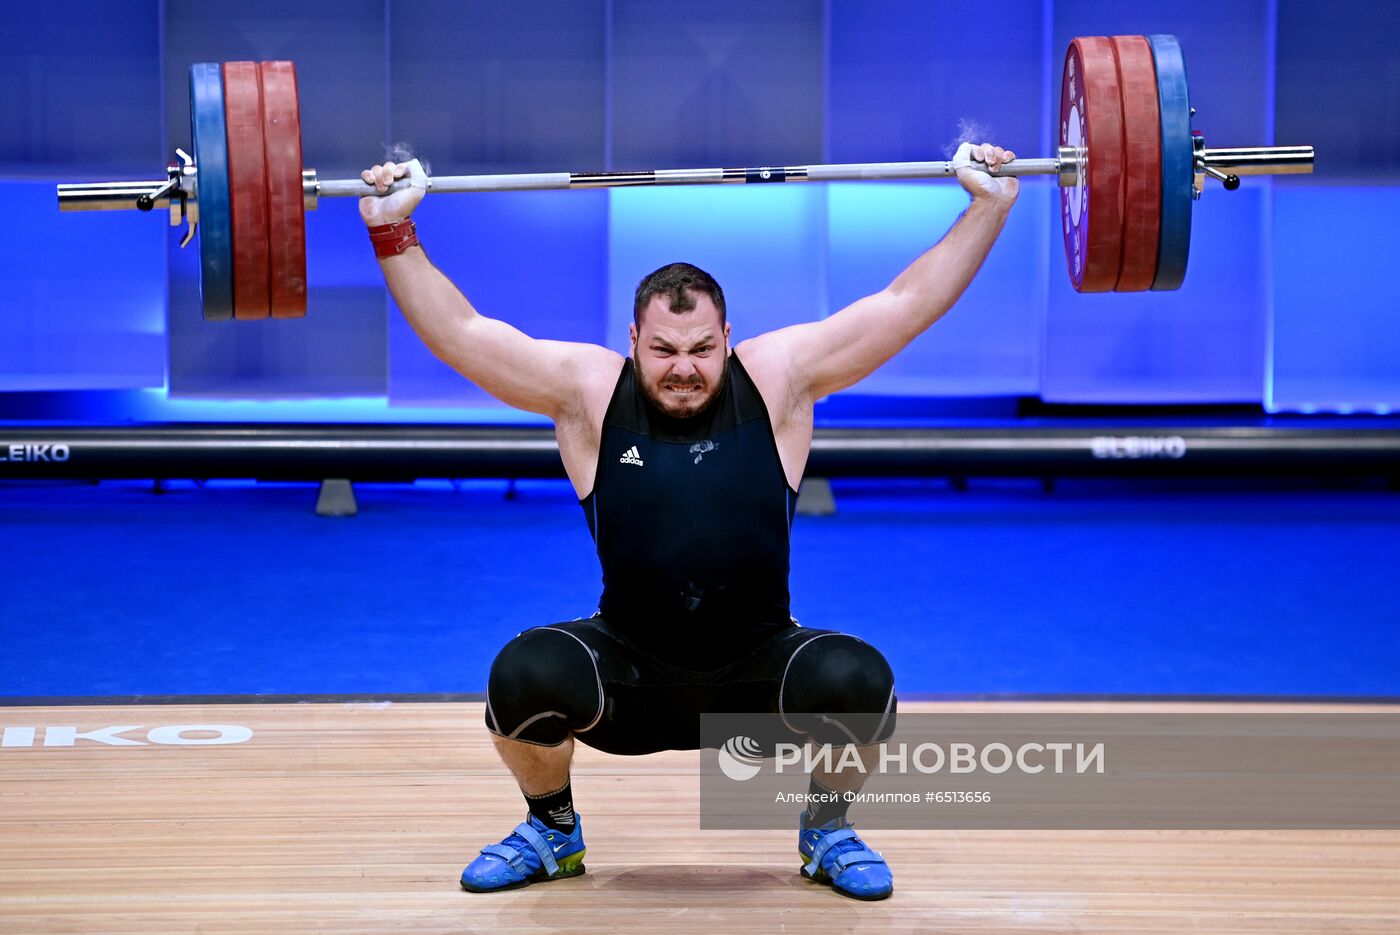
point(509, 854)
point(540, 845)
point(850, 858)
point(824, 845)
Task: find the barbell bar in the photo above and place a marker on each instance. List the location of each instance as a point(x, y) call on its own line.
point(1128, 165)
point(123, 196)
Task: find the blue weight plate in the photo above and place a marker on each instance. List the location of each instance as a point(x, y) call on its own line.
point(211, 161)
point(1178, 159)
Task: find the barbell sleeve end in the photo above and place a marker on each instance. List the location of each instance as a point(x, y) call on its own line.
point(108, 196)
point(1259, 160)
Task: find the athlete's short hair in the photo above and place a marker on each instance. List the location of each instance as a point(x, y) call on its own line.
point(677, 281)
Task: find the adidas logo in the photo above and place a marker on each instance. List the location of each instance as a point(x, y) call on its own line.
point(631, 456)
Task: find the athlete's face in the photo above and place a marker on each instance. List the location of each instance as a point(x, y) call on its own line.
point(680, 357)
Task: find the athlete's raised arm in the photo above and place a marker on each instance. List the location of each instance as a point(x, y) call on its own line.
point(536, 375)
point(825, 356)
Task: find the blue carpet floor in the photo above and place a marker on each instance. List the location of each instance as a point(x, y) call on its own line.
point(1096, 588)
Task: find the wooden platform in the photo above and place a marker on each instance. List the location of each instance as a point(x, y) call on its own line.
point(360, 817)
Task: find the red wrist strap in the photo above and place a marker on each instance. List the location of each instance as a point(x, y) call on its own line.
point(393, 239)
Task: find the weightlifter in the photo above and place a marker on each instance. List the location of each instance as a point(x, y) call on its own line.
point(686, 456)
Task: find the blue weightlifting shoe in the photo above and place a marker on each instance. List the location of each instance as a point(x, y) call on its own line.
point(835, 855)
point(532, 853)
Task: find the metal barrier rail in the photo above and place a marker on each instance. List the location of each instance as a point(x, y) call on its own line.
point(398, 452)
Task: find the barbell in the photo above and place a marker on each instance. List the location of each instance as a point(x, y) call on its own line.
point(1128, 164)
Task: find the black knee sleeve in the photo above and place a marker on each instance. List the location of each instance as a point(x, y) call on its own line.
point(544, 685)
point(839, 689)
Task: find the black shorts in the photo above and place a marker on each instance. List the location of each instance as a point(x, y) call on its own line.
point(651, 705)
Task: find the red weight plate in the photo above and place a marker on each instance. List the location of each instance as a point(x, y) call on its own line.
point(1091, 121)
point(1142, 163)
point(286, 208)
point(247, 179)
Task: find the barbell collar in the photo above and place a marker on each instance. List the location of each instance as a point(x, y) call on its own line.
point(146, 202)
point(1069, 165)
point(310, 189)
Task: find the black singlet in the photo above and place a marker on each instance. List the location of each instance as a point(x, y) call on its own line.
point(691, 518)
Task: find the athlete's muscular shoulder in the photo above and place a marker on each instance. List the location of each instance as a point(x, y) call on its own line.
point(789, 409)
point(579, 425)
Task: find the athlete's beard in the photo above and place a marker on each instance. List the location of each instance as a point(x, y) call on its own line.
point(688, 407)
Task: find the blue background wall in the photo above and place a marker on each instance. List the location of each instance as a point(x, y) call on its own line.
point(1289, 303)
